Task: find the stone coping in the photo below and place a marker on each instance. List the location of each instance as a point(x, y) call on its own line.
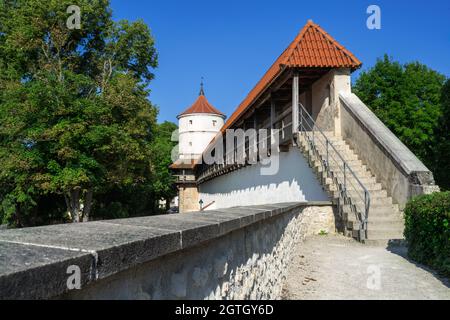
point(34, 261)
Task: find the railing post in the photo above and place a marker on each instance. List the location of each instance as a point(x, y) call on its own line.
point(345, 177)
point(367, 206)
point(301, 117)
point(328, 163)
point(314, 143)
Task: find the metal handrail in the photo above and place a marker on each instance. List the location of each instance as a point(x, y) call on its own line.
point(310, 123)
point(207, 206)
point(233, 152)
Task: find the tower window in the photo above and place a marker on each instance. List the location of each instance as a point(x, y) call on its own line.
point(190, 121)
point(190, 143)
point(214, 122)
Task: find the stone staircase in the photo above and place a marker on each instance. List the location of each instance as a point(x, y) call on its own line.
point(385, 222)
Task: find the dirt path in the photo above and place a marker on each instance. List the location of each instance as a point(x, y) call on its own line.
point(336, 267)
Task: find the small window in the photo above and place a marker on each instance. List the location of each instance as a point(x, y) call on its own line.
point(214, 123)
point(190, 121)
point(190, 143)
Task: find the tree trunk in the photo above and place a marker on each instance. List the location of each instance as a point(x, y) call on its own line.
point(168, 203)
point(18, 216)
point(87, 205)
point(74, 198)
point(73, 204)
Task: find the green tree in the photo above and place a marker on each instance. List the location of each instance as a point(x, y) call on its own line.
point(407, 98)
point(143, 199)
point(164, 186)
point(74, 113)
point(442, 150)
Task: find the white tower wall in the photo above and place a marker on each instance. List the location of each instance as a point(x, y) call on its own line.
point(196, 131)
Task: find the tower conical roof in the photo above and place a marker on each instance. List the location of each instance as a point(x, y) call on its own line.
point(201, 105)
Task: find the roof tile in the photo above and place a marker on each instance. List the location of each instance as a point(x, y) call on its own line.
point(201, 105)
point(312, 48)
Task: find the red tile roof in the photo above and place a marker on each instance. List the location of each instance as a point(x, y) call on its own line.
point(312, 48)
point(201, 105)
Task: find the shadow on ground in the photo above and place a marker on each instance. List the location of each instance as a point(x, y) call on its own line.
point(402, 251)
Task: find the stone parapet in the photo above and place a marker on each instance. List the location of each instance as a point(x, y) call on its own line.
point(227, 253)
point(396, 167)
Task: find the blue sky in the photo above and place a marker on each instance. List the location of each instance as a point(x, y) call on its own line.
point(232, 43)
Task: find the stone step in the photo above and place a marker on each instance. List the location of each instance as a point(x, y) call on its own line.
point(354, 214)
point(355, 165)
point(385, 242)
point(330, 187)
point(388, 224)
point(343, 149)
point(369, 187)
point(373, 193)
point(319, 139)
point(374, 201)
point(377, 211)
point(352, 181)
point(385, 210)
point(333, 157)
point(381, 234)
point(358, 173)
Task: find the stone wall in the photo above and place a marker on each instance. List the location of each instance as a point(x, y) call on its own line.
point(250, 263)
point(235, 253)
point(400, 172)
point(188, 198)
point(325, 99)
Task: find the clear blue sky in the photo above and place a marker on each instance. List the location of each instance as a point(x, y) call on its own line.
point(232, 43)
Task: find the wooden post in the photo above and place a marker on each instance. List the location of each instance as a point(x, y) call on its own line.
point(255, 140)
point(272, 125)
point(295, 101)
point(272, 113)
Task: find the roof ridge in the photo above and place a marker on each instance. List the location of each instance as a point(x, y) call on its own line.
point(336, 43)
point(201, 105)
point(296, 43)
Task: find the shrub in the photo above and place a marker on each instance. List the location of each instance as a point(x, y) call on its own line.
point(427, 230)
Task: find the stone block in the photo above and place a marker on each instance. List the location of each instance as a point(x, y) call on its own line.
point(33, 272)
point(116, 247)
point(191, 230)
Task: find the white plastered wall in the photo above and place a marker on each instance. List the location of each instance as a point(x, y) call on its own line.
point(294, 182)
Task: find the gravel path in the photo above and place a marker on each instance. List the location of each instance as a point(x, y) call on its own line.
point(336, 267)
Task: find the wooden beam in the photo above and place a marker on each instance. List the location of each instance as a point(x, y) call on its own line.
point(272, 113)
point(295, 102)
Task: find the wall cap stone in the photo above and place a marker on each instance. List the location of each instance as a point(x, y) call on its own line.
point(34, 261)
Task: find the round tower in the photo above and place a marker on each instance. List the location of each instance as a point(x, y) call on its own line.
point(197, 126)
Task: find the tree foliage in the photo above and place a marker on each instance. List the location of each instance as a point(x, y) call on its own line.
point(408, 99)
point(76, 125)
point(442, 150)
point(163, 145)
